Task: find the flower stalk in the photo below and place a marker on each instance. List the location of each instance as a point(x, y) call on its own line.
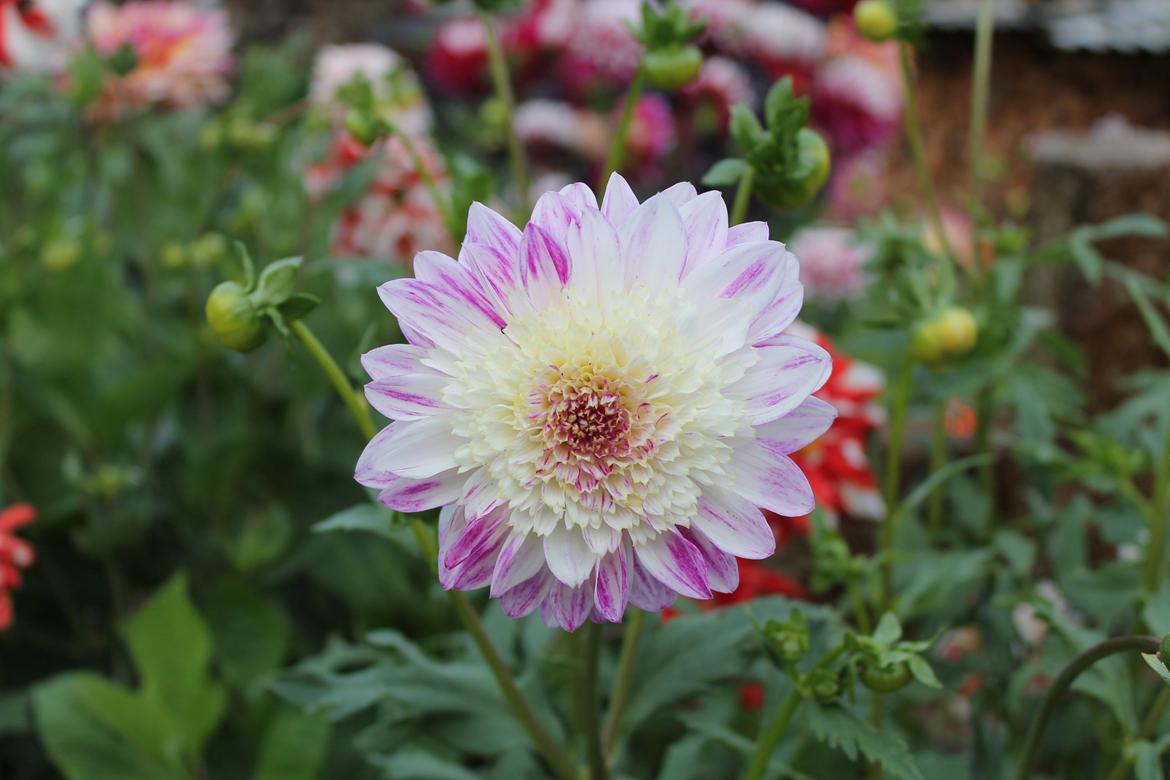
point(617, 147)
point(899, 408)
point(498, 68)
point(622, 682)
point(598, 769)
point(981, 80)
point(1099, 651)
point(356, 405)
point(743, 196)
point(771, 738)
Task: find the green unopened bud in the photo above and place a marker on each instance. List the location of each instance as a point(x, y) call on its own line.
point(233, 318)
point(957, 330)
point(876, 20)
point(785, 643)
point(60, 254)
point(672, 67)
point(798, 184)
point(888, 678)
point(825, 686)
point(208, 250)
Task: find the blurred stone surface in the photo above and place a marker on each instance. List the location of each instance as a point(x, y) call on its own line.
point(1089, 177)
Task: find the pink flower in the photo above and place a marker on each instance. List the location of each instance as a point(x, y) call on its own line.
point(856, 103)
point(183, 54)
point(37, 35)
point(549, 124)
point(602, 47)
point(457, 60)
point(399, 97)
point(832, 263)
point(652, 134)
point(857, 187)
point(599, 402)
point(722, 83)
point(396, 217)
point(15, 555)
point(785, 41)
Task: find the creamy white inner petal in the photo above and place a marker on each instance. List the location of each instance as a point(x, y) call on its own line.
point(607, 416)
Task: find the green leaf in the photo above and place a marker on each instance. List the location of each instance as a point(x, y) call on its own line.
point(251, 630)
point(1154, 322)
point(844, 730)
point(927, 486)
point(81, 745)
point(1147, 757)
point(889, 629)
point(297, 306)
point(293, 747)
point(277, 281)
point(171, 648)
point(1156, 612)
point(1156, 664)
point(744, 127)
point(923, 672)
point(366, 517)
point(725, 173)
point(136, 719)
point(246, 263)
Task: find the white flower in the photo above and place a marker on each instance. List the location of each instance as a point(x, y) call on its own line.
point(601, 403)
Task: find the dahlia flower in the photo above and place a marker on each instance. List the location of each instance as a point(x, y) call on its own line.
point(551, 124)
point(458, 57)
point(15, 555)
point(832, 264)
point(396, 216)
point(36, 36)
point(722, 83)
point(857, 186)
point(601, 402)
point(857, 103)
point(183, 54)
point(785, 41)
point(397, 93)
point(603, 47)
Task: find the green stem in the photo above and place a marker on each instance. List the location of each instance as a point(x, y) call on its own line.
point(1153, 717)
point(498, 67)
point(771, 738)
point(899, 407)
point(617, 147)
point(428, 181)
point(1121, 644)
point(981, 80)
point(357, 406)
point(558, 761)
point(1158, 518)
point(860, 610)
point(938, 459)
point(913, 128)
point(598, 769)
point(743, 196)
point(622, 680)
point(984, 405)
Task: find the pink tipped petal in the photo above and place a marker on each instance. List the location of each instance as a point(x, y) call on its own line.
point(394, 360)
point(567, 606)
point(479, 493)
point(680, 193)
point(544, 266)
point(619, 201)
point(789, 370)
point(498, 275)
point(442, 317)
point(480, 534)
point(722, 568)
point(578, 195)
point(771, 481)
point(521, 557)
point(553, 214)
point(476, 570)
point(415, 449)
point(597, 257)
point(704, 221)
point(407, 396)
point(452, 522)
point(486, 227)
point(676, 563)
point(798, 428)
point(779, 314)
point(442, 271)
point(734, 524)
point(747, 233)
point(416, 495)
point(612, 590)
point(653, 249)
point(646, 592)
point(569, 557)
point(527, 596)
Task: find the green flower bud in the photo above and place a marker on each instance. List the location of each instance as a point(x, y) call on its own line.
point(926, 343)
point(61, 254)
point(672, 67)
point(957, 330)
point(785, 643)
point(233, 318)
point(174, 255)
point(825, 686)
point(886, 679)
point(208, 250)
point(876, 20)
point(800, 184)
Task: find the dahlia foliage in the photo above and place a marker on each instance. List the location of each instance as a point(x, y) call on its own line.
point(601, 402)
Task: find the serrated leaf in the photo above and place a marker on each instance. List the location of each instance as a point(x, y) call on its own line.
point(844, 730)
point(725, 173)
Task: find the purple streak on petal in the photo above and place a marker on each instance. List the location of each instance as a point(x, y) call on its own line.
point(722, 568)
point(476, 570)
point(438, 269)
point(705, 221)
point(486, 227)
point(567, 606)
point(480, 532)
point(771, 481)
point(676, 563)
point(797, 429)
point(747, 233)
point(734, 524)
point(646, 592)
point(554, 215)
point(393, 360)
point(498, 275)
point(416, 495)
point(407, 396)
point(367, 471)
point(578, 196)
point(612, 591)
point(789, 370)
point(452, 522)
point(525, 597)
point(521, 556)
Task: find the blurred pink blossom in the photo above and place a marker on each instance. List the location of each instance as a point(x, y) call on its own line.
point(857, 187)
point(832, 264)
point(37, 36)
point(601, 46)
point(552, 124)
point(397, 93)
point(457, 60)
point(722, 82)
point(183, 54)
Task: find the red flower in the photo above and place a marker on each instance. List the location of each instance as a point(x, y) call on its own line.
point(751, 696)
point(15, 555)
